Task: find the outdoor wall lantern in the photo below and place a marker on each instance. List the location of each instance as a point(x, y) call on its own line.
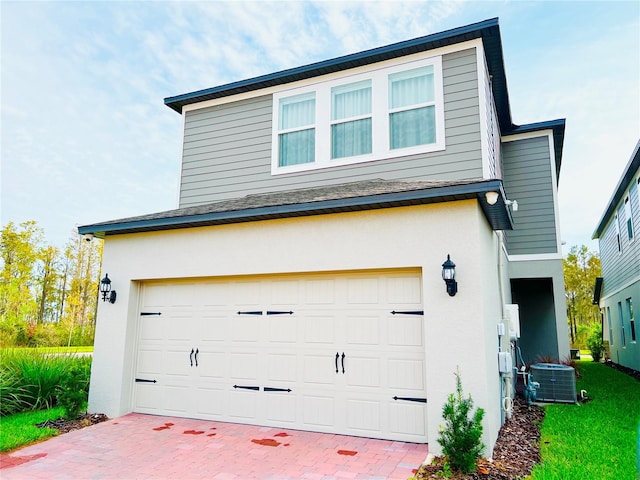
point(105, 287)
point(449, 276)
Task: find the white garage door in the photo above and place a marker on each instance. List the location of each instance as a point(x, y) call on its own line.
point(320, 352)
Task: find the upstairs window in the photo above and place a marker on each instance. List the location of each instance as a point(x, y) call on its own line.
point(296, 130)
point(369, 114)
point(632, 323)
point(628, 218)
point(351, 120)
point(412, 114)
point(618, 241)
point(623, 337)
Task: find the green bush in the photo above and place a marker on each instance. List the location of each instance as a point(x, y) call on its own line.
point(595, 343)
point(71, 394)
point(31, 380)
point(460, 437)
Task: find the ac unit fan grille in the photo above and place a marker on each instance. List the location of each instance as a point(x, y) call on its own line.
point(557, 382)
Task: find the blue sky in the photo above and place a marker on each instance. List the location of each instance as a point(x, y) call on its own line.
point(85, 135)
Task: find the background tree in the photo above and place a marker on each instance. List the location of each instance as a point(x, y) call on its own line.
point(47, 298)
point(581, 267)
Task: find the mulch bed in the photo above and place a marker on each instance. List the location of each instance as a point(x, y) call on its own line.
point(516, 452)
point(84, 420)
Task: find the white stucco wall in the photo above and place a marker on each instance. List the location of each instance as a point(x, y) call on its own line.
point(459, 331)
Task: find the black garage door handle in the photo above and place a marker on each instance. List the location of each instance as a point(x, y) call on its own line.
point(337, 357)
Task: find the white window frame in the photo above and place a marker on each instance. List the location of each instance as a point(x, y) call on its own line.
point(628, 220)
point(618, 237)
point(380, 118)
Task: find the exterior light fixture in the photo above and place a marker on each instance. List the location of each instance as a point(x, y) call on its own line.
point(492, 197)
point(513, 204)
point(108, 295)
point(449, 276)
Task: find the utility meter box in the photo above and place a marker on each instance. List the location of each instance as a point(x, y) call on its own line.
point(512, 318)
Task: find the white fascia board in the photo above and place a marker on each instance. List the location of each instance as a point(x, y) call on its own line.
point(483, 81)
point(476, 43)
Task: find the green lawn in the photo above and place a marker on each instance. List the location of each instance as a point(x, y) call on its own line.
point(19, 430)
point(595, 440)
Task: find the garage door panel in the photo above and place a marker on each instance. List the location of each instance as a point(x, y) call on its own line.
point(244, 366)
point(178, 362)
point(243, 405)
point(177, 399)
point(213, 327)
point(246, 328)
point(319, 328)
point(364, 415)
point(284, 293)
point(404, 290)
point(319, 369)
point(212, 365)
point(148, 398)
point(281, 407)
point(362, 371)
point(247, 294)
point(320, 292)
point(363, 329)
point(179, 326)
point(319, 411)
point(152, 328)
point(408, 419)
point(282, 367)
point(405, 330)
point(150, 361)
point(407, 374)
point(363, 291)
point(210, 402)
point(282, 329)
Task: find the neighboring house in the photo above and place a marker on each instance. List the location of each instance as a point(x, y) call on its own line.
point(299, 282)
point(619, 287)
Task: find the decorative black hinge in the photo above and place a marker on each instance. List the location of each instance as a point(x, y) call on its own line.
point(246, 387)
point(271, 312)
point(255, 312)
point(145, 380)
point(150, 313)
point(271, 389)
point(409, 399)
point(410, 312)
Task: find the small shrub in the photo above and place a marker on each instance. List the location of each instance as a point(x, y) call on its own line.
point(595, 343)
point(460, 437)
point(72, 392)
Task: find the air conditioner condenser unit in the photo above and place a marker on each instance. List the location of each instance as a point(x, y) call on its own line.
point(557, 382)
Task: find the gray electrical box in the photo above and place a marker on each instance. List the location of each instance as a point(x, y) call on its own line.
point(557, 382)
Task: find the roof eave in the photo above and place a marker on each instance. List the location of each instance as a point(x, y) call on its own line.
point(498, 215)
point(488, 30)
point(629, 172)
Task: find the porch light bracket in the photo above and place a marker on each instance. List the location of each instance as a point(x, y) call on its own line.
point(449, 275)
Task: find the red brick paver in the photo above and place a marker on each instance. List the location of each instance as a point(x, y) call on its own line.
point(152, 447)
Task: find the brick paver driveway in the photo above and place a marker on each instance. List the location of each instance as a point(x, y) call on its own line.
point(138, 446)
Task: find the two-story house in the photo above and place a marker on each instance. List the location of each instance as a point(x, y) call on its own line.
point(299, 283)
point(619, 285)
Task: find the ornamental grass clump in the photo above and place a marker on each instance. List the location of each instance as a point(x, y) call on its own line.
point(460, 437)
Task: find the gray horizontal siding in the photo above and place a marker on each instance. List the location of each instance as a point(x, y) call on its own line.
point(227, 148)
point(620, 268)
point(528, 179)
